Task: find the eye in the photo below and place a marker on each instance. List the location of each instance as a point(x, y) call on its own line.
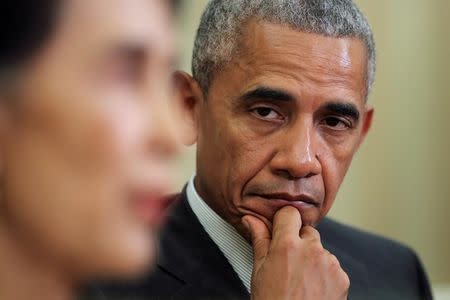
point(337, 123)
point(267, 113)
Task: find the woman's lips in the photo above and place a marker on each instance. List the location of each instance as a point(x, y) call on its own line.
point(151, 208)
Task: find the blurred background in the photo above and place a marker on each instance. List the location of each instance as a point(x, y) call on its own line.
point(398, 185)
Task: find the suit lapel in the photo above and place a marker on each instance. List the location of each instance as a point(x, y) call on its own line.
point(355, 270)
point(189, 254)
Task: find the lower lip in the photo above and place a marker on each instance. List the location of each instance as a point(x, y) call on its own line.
point(279, 203)
point(276, 204)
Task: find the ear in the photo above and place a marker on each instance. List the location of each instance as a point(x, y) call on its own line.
point(367, 119)
point(189, 99)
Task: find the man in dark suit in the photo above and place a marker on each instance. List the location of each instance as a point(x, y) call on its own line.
point(192, 266)
point(277, 106)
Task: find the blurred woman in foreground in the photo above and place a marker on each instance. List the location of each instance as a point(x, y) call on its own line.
point(84, 141)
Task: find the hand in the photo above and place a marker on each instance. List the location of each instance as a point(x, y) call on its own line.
point(291, 263)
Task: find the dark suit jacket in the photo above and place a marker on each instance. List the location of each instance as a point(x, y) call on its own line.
point(191, 266)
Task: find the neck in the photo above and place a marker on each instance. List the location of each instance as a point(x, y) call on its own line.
point(24, 275)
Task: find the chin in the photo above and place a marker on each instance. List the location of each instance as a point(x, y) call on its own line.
point(124, 258)
point(137, 255)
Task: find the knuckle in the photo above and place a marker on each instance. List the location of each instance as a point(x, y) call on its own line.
point(288, 245)
point(316, 250)
point(334, 263)
point(259, 246)
point(345, 281)
point(313, 231)
point(310, 231)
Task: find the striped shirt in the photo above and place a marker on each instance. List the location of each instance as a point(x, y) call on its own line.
point(234, 247)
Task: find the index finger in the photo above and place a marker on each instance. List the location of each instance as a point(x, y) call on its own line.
point(286, 222)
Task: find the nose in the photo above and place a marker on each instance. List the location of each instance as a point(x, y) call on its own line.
point(297, 156)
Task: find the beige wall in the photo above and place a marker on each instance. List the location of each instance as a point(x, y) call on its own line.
point(399, 183)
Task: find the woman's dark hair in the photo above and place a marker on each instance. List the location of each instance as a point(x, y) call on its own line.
point(25, 26)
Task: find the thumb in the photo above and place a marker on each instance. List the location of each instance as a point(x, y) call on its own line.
point(260, 236)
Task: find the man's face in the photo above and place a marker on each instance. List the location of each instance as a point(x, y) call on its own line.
point(281, 124)
point(84, 156)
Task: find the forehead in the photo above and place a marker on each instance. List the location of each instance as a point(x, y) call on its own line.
point(282, 55)
point(102, 21)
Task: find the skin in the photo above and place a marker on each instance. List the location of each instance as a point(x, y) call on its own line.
point(85, 141)
point(294, 255)
point(281, 123)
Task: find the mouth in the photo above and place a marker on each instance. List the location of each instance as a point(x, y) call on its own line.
point(265, 205)
point(151, 208)
point(301, 200)
point(276, 201)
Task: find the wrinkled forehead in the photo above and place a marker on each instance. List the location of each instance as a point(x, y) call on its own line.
point(269, 49)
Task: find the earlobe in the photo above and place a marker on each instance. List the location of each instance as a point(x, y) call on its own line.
point(189, 98)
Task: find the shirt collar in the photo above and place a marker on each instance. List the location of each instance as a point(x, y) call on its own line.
point(235, 248)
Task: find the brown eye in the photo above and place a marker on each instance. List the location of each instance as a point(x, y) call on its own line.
point(264, 111)
point(336, 123)
point(333, 122)
point(267, 113)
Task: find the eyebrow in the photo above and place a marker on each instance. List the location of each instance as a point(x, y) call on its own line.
point(267, 93)
point(343, 109)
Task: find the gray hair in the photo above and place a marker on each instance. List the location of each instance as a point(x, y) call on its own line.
point(218, 34)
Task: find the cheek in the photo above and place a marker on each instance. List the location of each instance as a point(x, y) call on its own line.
point(55, 208)
point(246, 154)
point(66, 180)
point(117, 133)
point(67, 165)
point(230, 157)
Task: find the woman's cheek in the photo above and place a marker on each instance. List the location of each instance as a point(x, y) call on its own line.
point(123, 129)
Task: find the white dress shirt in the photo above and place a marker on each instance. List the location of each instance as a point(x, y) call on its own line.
point(235, 248)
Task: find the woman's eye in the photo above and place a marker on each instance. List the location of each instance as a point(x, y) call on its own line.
point(336, 123)
point(125, 72)
point(267, 113)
